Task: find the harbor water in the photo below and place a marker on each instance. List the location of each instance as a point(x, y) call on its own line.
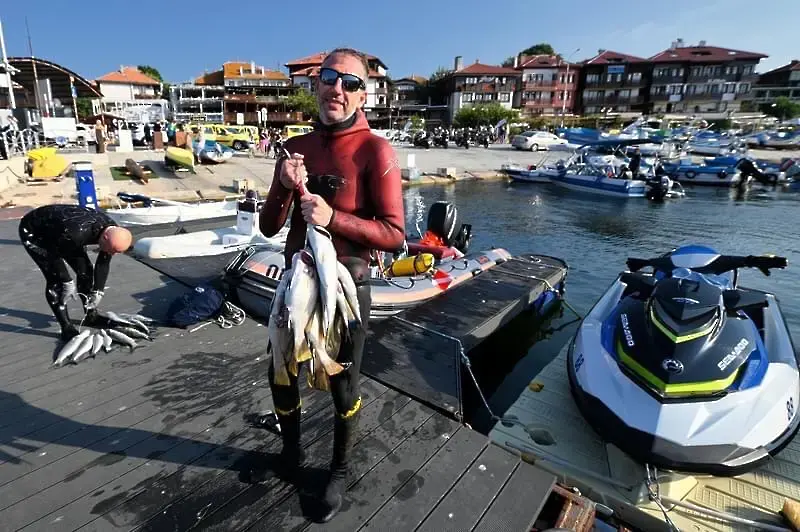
point(595, 236)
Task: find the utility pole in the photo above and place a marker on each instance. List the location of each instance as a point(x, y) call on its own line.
point(11, 102)
point(35, 73)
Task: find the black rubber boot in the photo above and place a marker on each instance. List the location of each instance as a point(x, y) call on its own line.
point(53, 297)
point(292, 456)
point(344, 431)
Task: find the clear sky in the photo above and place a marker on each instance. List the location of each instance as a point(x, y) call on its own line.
point(183, 37)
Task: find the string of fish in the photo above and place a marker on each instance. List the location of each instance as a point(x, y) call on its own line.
point(314, 308)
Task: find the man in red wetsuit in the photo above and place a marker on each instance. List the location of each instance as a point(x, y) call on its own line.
point(354, 190)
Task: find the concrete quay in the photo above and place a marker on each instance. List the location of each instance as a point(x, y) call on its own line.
point(216, 181)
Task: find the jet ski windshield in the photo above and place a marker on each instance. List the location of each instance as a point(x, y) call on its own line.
point(720, 281)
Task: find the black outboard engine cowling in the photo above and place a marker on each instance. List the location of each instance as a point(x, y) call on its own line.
point(442, 218)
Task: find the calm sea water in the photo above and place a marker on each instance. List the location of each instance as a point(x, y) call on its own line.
point(595, 236)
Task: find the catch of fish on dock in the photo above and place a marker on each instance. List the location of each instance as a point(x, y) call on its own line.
point(314, 308)
point(124, 329)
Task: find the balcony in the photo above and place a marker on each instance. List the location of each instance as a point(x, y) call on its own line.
point(614, 99)
point(602, 83)
point(706, 78)
point(381, 90)
point(663, 97)
point(146, 96)
point(540, 103)
point(251, 98)
point(485, 87)
point(667, 80)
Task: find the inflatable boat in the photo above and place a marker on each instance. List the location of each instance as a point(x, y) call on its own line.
point(438, 262)
point(162, 211)
point(214, 241)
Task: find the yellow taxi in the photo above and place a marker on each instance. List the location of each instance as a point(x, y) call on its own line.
point(297, 129)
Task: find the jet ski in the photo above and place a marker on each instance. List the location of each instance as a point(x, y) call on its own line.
point(683, 369)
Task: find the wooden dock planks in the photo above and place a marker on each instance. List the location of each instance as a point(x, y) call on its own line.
point(163, 438)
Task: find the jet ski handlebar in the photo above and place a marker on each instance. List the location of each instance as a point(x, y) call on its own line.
point(722, 264)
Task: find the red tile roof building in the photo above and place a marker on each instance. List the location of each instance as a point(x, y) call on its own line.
point(130, 93)
point(701, 79)
point(548, 85)
point(614, 82)
point(479, 83)
point(783, 81)
point(240, 91)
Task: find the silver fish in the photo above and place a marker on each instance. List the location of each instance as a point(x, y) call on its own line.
point(140, 325)
point(97, 343)
point(70, 347)
point(325, 261)
point(143, 319)
point(316, 341)
point(343, 309)
point(301, 300)
point(107, 341)
point(113, 317)
point(349, 286)
point(123, 339)
point(133, 332)
point(280, 337)
point(84, 349)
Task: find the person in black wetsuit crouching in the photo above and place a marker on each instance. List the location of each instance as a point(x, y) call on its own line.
point(55, 236)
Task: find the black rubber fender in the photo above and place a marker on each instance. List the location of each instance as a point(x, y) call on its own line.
point(691, 174)
point(722, 174)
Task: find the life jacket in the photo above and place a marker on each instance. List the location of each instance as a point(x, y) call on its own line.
point(431, 239)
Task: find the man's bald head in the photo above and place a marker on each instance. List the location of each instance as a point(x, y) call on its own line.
point(115, 239)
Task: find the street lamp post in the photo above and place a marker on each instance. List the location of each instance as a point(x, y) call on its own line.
point(564, 95)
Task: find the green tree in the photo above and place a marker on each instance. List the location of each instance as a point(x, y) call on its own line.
point(509, 61)
point(416, 122)
point(484, 115)
point(782, 109)
point(303, 100)
point(435, 90)
point(537, 49)
point(84, 106)
point(151, 71)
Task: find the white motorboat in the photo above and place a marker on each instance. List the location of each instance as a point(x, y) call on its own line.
point(532, 174)
point(162, 211)
point(213, 241)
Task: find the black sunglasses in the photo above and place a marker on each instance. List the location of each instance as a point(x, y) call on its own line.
point(350, 82)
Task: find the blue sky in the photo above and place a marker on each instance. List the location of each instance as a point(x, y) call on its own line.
point(182, 38)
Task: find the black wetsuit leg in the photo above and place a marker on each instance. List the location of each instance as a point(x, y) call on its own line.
point(55, 273)
point(345, 385)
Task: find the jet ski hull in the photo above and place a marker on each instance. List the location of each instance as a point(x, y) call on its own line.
point(727, 434)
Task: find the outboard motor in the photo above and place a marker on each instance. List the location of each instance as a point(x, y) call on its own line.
point(443, 221)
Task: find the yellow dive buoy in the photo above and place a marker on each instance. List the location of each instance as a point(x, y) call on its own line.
point(417, 265)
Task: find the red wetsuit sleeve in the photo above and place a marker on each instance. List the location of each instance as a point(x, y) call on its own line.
point(386, 231)
point(276, 208)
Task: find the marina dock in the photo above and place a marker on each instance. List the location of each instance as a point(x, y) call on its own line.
point(555, 434)
point(164, 437)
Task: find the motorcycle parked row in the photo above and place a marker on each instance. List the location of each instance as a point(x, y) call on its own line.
point(440, 137)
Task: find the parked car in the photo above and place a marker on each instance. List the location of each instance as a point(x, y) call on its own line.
point(535, 140)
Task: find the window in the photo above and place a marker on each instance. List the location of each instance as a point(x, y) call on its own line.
point(471, 81)
point(635, 77)
point(747, 70)
point(593, 78)
point(467, 97)
point(505, 97)
point(744, 88)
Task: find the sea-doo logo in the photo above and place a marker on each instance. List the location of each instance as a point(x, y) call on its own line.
point(733, 355)
point(626, 331)
point(673, 366)
point(686, 300)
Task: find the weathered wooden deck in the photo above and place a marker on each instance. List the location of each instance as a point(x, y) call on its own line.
point(163, 438)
